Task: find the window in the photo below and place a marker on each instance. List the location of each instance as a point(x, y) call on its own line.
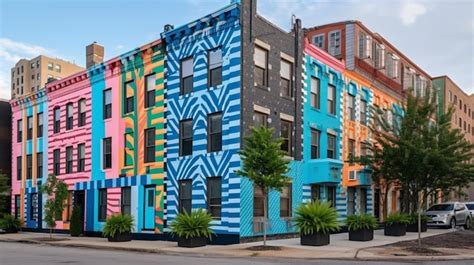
point(33, 78)
point(33, 206)
point(57, 68)
point(285, 201)
point(379, 56)
point(187, 73)
point(286, 133)
point(68, 207)
point(81, 158)
point(29, 131)
point(365, 46)
point(129, 97)
point(315, 93)
point(69, 113)
point(32, 65)
point(128, 149)
point(19, 131)
point(107, 153)
point(332, 99)
point(185, 195)
point(107, 112)
point(215, 67)
point(331, 152)
point(50, 66)
point(17, 206)
point(150, 84)
point(39, 124)
point(150, 145)
point(214, 132)
point(318, 41)
point(56, 161)
point(315, 136)
point(185, 137)
point(315, 193)
point(285, 78)
point(214, 195)
point(68, 159)
point(18, 168)
point(335, 43)
point(126, 201)
point(57, 120)
point(39, 165)
point(260, 119)
point(350, 201)
point(363, 149)
point(351, 150)
point(363, 112)
point(261, 64)
point(351, 107)
point(81, 117)
point(38, 76)
point(29, 166)
point(331, 195)
point(102, 205)
point(258, 202)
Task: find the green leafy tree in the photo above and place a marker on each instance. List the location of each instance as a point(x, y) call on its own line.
point(4, 191)
point(263, 163)
point(57, 193)
point(420, 151)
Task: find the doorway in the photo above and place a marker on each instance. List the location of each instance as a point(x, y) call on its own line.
point(149, 208)
point(79, 201)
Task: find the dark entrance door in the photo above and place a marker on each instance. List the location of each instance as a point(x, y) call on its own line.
point(377, 204)
point(79, 201)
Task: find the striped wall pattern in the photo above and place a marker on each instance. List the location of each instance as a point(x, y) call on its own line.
point(221, 29)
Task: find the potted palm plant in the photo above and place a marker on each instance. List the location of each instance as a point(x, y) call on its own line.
point(413, 223)
point(361, 227)
point(118, 228)
point(396, 225)
point(10, 224)
point(315, 221)
point(192, 229)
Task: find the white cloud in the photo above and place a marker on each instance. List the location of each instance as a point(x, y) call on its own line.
point(410, 11)
point(10, 52)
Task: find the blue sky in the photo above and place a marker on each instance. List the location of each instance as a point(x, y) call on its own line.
point(438, 35)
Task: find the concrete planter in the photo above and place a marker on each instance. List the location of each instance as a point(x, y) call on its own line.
point(361, 235)
point(192, 242)
point(395, 230)
point(316, 239)
point(414, 227)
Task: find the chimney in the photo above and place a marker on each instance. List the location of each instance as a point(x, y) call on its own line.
point(94, 54)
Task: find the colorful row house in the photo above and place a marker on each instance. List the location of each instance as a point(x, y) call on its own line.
point(157, 131)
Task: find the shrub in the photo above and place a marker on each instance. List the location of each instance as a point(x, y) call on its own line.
point(316, 217)
point(10, 222)
point(397, 218)
point(193, 225)
point(118, 224)
point(413, 218)
point(76, 225)
point(361, 222)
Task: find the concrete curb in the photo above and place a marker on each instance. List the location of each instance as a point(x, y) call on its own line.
point(251, 255)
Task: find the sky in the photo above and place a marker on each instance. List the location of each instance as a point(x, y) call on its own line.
point(438, 35)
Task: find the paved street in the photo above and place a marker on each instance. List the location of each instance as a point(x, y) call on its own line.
point(26, 254)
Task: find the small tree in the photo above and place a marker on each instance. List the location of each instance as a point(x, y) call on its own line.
point(264, 164)
point(76, 225)
point(57, 193)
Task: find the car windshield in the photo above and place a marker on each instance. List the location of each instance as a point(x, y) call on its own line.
point(470, 206)
point(441, 207)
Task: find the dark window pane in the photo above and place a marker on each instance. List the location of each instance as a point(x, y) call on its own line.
point(187, 85)
point(187, 72)
point(39, 122)
point(56, 159)
point(315, 136)
point(215, 132)
point(150, 84)
point(186, 137)
point(214, 196)
point(185, 196)
point(102, 205)
point(286, 134)
point(150, 145)
point(215, 77)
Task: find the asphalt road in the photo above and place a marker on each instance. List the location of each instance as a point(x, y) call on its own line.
point(26, 254)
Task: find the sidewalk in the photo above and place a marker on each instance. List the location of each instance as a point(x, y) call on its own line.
point(340, 247)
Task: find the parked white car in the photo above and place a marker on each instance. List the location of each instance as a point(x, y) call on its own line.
point(470, 207)
point(449, 215)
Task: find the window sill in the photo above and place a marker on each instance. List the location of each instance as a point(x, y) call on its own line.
point(315, 109)
point(288, 158)
point(332, 115)
point(287, 98)
point(211, 88)
point(262, 87)
point(186, 95)
point(216, 153)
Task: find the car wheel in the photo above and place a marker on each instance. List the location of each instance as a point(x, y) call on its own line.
point(467, 225)
point(452, 223)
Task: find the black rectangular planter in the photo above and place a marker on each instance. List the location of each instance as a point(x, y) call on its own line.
point(121, 237)
point(316, 239)
point(192, 242)
point(395, 230)
point(361, 235)
point(414, 227)
point(11, 230)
